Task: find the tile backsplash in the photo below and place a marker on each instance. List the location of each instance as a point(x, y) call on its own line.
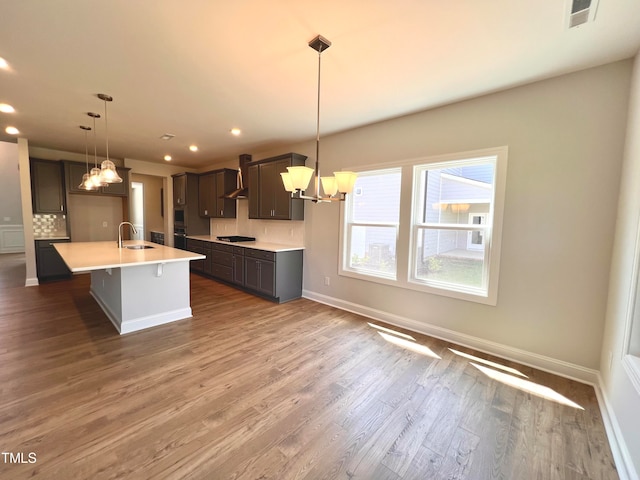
point(49, 225)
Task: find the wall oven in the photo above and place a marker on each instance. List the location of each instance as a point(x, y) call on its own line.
point(180, 238)
point(178, 216)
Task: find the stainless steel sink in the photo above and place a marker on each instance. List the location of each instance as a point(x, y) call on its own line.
point(137, 247)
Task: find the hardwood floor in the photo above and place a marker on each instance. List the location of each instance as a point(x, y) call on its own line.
point(248, 389)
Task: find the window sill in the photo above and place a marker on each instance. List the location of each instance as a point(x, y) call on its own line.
point(420, 287)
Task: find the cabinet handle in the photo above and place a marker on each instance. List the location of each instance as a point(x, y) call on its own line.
point(206, 212)
point(62, 208)
point(220, 212)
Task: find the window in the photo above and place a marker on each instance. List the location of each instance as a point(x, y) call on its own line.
point(372, 220)
point(452, 225)
point(440, 234)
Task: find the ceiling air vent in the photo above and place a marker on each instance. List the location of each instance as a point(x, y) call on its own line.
point(582, 11)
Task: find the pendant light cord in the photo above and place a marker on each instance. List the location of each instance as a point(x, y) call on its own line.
point(95, 148)
point(106, 127)
point(317, 180)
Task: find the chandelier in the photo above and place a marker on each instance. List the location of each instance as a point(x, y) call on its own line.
point(296, 180)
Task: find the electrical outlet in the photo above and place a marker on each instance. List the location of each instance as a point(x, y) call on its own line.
point(327, 281)
point(265, 230)
point(104, 224)
point(7, 219)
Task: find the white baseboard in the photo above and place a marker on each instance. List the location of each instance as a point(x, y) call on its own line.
point(541, 362)
point(621, 455)
point(140, 323)
point(31, 282)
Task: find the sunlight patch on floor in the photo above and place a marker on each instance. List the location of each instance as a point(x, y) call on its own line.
point(393, 332)
point(527, 386)
point(487, 362)
point(409, 345)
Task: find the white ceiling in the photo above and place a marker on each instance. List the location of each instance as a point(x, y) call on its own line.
point(197, 68)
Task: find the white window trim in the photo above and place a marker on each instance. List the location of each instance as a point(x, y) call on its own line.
point(405, 238)
point(631, 361)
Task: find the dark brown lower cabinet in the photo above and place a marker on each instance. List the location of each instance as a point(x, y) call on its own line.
point(49, 263)
point(273, 275)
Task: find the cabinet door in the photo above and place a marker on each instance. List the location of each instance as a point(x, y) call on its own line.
point(260, 275)
point(281, 198)
point(180, 190)
point(118, 189)
point(251, 273)
point(238, 269)
point(74, 173)
point(49, 263)
point(206, 185)
point(267, 197)
point(267, 190)
point(254, 191)
point(47, 187)
point(267, 273)
point(207, 261)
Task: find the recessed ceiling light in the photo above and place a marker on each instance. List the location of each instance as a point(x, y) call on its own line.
point(12, 130)
point(167, 136)
point(6, 108)
point(167, 158)
point(236, 131)
point(3, 63)
point(193, 148)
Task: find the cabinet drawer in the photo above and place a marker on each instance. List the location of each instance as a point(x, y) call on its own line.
point(260, 254)
point(223, 272)
point(222, 258)
point(221, 247)
point(238, 250)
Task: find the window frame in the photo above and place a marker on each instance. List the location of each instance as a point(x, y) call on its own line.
point(346, 228)
point(406, 238)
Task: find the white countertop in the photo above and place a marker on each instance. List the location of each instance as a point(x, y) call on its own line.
point(87, 256)
point(270, 247)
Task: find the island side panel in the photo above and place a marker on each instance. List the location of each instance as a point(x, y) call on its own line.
point(154, 294)
point(139, 297)
point(106, 288)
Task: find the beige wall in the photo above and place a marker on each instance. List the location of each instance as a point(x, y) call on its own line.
point(620, 394)
point(94, 218)
point(10, 207)
point(565, 137)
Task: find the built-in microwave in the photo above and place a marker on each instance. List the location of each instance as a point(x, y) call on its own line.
point(178, 216)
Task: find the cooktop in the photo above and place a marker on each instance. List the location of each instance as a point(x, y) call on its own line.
point(236, 238)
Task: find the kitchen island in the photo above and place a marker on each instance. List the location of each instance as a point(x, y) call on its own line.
point(138, 286)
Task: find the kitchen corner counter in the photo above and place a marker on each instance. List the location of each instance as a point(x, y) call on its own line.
point(257, 245)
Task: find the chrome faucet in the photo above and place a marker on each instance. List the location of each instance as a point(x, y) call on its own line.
point(135, 232)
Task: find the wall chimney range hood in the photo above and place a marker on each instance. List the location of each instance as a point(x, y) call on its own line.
point(241, 191)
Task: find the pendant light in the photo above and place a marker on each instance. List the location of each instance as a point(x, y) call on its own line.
point(296, 180)
point(86, 183)
point(108, 172)
point(94, 175)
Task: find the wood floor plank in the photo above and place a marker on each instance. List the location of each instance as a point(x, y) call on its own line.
point(249, 389)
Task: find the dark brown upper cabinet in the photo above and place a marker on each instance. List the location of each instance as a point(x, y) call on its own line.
point(268, 200)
